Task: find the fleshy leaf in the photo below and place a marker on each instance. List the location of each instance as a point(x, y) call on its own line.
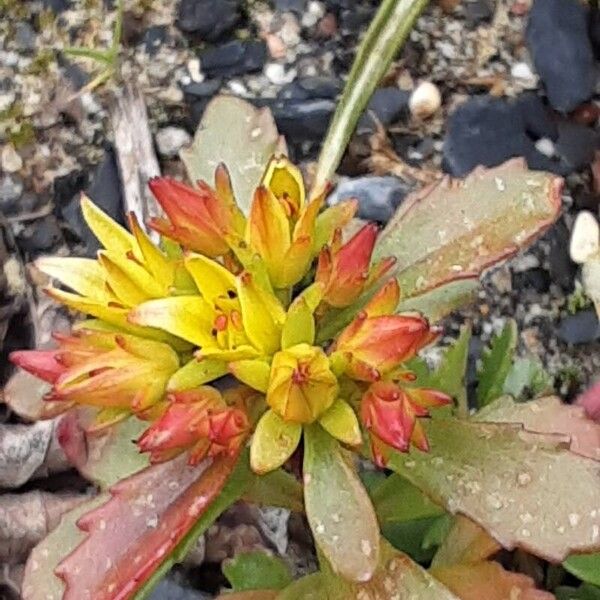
point(496, 363)
point(148, 515)
point(235, 133)
point(250, 595)
point(39, 580)
point(584, 566)
point(338, 508)
point(466, 543)
point(548, 415)
point(277, 488)
point(340, 421)
point(256, 571)
point(103, 457)
point(525, 489)
point(273, 442)
point(456, 229)
point(490, 581)
point(527, 374)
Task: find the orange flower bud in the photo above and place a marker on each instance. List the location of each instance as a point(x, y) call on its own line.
point(196, 420)
point(344, 269)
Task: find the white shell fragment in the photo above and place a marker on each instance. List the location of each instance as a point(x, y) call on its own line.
point(425, 100)
point(585, 238)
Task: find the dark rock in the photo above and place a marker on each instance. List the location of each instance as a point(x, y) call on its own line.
point(537, 278)
point(411, 147)
point(203, 89)
point(557, 36)
point(56, 6)
point(378, 197)
point(594, 30)
point(310, 88)
point(576, 145)
point(488, 131)
point(25, 36)
point(209, 19)
point(580, 328)
point(196, 110)
point(387, 104)
point(75, 74)
point(105, 190)
point(11, 188)
point(303, 120)
point(154, 38)
point(295, 6)
point(66, 187)
point(538, 120)
point(562, 269)
point(234, 58)
point(479, 11)
point(168, 589)
point(41, 235)
point(356, 18)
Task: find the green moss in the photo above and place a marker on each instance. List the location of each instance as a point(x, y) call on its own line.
point(22, 135)
point(578, 300)
point(41, 62)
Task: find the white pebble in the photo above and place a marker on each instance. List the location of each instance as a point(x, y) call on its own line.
point(275, 73)
point(522, 73)
point(425, 100)
point(315, 11)
point(546, 147)
point(193, 67)
point(585, 238)
point(11, 160)
point(170, 140)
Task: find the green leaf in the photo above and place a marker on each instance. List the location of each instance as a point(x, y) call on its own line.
point(255, 571)
point(438, 531)
point(527, 375)
point(277, 488)
point(584, 566)
point(453, 230)
point(397, 500)
point(525, 489)
point(309, 587)
point(338, 508)
point(449, 376)
point(583, 592)
point(102, 56)
point(385, 36)
point(496, 363)
point(409, 537)
point(233, 132)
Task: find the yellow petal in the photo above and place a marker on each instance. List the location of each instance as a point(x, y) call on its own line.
point(160, 353)
point(136, 273)
point(254, 373)
point(128, 293)
point(299, 325)
point(83, 275)
point(262, 315)
point(227, 355)
point(251, 262)
point(340, 421)
point(284, 179)
point(188, 317)
point(110, 234)
point(268, 231)
point(212, 279)
point(273, 443)
point(156, 262)
point(195, 373)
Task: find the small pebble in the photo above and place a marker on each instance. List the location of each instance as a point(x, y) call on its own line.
point(425, 100)
point(11, 160)
point(524, 75)
point(546, 147)
point(585, 238)
point(170, 140)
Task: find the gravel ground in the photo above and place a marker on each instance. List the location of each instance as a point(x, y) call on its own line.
point(504, 84)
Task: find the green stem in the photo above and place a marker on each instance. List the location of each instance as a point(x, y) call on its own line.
point(385, 36)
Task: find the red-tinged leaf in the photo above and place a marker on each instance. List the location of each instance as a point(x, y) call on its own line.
point(466, 543)
point(455, 229)
point(548, 415)
point(490, 581)
point(526, 489)
point(590, 400)
point(39, 580)
point(129, 537)
point(105, 456)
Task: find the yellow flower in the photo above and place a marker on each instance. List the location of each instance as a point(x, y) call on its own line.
point(285, 229)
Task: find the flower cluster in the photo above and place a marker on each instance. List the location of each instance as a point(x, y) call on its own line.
point(225, 294)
